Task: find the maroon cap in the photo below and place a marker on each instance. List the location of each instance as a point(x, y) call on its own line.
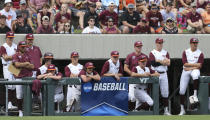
point(74, 54)
point(48, 55)
point(138, 43)
point(115, 53)
point(22, 44)
point(142, 58)
point(89, 65)
point(10, 34)
point(51, 67)
point(194, 40)
point(159, 40)
point(30, 36)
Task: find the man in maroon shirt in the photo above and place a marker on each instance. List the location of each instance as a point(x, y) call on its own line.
point(34, 53)
point(155, 18)
point(22, 61)
point(113, 66)
point(45, 28)
point(88, 73)
point(194, 20)
point(142, 27)
point(107, 14)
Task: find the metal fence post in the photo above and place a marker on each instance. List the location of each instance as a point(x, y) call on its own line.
point(155, 95)
point(50, 97)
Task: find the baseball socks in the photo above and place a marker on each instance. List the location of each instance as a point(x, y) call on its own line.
point(182, 111)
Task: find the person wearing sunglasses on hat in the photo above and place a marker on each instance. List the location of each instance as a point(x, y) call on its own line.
point(113, 67)
point(111, 28)
point(192, 59)
point(144, 101)
point(142, 27)
point(170, 27)
point(88, 73)
point(91, 29)
point(72, 70)
point(21, 61)
point(206, 18)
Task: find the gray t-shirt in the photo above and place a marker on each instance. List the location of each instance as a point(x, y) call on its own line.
point(167, 15)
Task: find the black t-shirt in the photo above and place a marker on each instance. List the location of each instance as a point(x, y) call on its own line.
point(87, 15)
point(4, 30)
point(133, 20)
point(23, 29)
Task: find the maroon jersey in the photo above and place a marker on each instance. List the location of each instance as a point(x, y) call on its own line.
point(35, 54)
point(194, 17)
point(106, 68)
point(141, 29)
point(111, 30)
point(18, 57)
point(132, 60)
point(154, 18)
point(105, 15)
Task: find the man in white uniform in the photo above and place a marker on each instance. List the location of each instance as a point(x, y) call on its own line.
point(8, 49)
point(74, 91)
point(160, 61)
point(192, 59)
point(140, 90)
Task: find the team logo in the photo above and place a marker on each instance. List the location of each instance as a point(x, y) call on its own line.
point(87, 87)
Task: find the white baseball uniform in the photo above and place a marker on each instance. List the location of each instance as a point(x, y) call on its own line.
point(74, 91)
point(163, 78)
point(190, 56)
point(9, 50)
point(140, 90)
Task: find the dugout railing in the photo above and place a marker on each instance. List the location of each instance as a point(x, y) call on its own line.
point(48, 87)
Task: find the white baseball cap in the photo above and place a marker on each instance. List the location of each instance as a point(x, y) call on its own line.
point(111, 3)
point(7, 1)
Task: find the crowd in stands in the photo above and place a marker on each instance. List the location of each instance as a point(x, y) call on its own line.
point(105, 16)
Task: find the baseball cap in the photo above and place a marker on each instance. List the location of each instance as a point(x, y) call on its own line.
point(22, 2)
point(74, 54)
point(110, 19)
point(51, 67)
point(115, 53)
point(139, 1)
point(142, 58)
point(29, 36)
point(89, 65)
point(159, 40)
point(194, 40)
point(131, 5)
point(48, 55)
point(138, 43)
point(10, 34)
point(111, 3)
point(7, 1)
point(45, 18)
point(22, 44)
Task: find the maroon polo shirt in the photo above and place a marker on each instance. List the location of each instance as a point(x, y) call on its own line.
point(135, 70)
point(106, 68)
point(141, 29)
point(132, 60)
point(184, 58)
point(42, 30)
point(103, 17)
point(35, 54)
point(153, 19)
point(111, 30)
point(18, 57)
point(194, 17)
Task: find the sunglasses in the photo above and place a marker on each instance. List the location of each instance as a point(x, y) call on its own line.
point(154, 8)
point(67, 25)
point(169, 21)
point(92, 20)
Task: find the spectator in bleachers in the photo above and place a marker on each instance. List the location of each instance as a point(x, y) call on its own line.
point(126, 2)
point(45, 12)
point(141, 8)
point(206, 19)
point(182, 22)
point(167, 13)
point(96, 2)
point(45, 28)
point(173, 2)
point(111, 28)
point(25, 13)
point(170, 27)
point(9, 13)
point(3, 27)
point(38, 4)
point(20, 26)
point(91, 29)
point(106, 3)
point(62, 17)
point(155, 19)
point(194, 20)
point(108, 13)
point(66, 29)
point(183, 5)
point(201, 5)
point(159, 3)
point(91, 12)
point(130, 18)
point(142, 27)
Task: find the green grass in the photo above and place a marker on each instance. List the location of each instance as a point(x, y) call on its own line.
point(174, 117)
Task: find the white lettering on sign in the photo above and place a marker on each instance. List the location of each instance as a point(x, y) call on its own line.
point(143, 80)
point(109, 86)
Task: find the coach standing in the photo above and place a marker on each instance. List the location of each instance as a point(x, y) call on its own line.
point(21, 60)
point(34, 53)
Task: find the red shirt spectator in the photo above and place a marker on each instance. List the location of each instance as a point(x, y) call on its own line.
point(45, 28)
point(194, 17)
point(142, 27)
point(154, 18)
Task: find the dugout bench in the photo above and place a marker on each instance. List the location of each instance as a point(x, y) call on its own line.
point(48, 87)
